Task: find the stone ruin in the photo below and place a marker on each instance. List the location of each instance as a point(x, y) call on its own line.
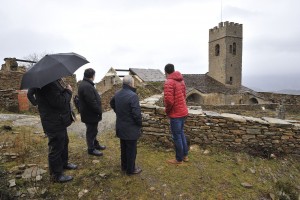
point(11, 97)
point(11, 64)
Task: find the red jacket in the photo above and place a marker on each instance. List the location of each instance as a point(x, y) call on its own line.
point(175, 95)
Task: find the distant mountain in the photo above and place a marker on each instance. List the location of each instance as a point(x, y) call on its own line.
point(294, 92)
point(286, 84)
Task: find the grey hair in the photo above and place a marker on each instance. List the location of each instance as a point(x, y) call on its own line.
point(128, 80)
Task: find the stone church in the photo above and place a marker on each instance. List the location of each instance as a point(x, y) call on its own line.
point(222, 85)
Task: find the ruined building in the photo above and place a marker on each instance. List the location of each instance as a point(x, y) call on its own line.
point(141, 77)
point(111, 78)
point(11, 97)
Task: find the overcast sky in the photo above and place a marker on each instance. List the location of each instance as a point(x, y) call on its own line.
point(151, 33)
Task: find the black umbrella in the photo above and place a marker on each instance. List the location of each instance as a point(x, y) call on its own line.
point(50, 68)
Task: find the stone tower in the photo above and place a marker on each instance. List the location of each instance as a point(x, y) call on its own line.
point(225, 53)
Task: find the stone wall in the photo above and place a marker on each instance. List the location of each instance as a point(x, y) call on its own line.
point(9, 100)
point(278, 98)
point(10, 80)
point(225, 130)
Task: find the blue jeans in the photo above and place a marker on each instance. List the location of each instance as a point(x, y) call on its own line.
point(178, 136)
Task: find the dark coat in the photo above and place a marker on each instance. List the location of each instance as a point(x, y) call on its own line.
point(126, 105)
point(54, 107)
point(90, 102)
point(31, 96)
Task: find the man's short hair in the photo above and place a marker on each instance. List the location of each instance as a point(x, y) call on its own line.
point(169, 68)
point(89, 73)
point(127, 80)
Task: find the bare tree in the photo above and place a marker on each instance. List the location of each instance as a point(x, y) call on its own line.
point(33, 57)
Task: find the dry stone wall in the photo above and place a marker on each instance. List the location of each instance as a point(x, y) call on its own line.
point(9, 100)
point(10, 80)
point(225, 130)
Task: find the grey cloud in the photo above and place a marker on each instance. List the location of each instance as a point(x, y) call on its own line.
point(20, 43)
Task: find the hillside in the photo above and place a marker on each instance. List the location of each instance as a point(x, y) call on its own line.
point(210, 173)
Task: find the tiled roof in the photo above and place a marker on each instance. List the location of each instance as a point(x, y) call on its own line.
point(148, 75)
point(206, 84)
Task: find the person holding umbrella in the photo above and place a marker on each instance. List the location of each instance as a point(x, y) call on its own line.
point(54, 107)
point(53, 100)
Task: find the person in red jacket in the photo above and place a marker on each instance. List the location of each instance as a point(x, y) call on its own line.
point(176, 109)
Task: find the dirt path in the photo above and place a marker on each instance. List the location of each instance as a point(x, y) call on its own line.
point(107, 123)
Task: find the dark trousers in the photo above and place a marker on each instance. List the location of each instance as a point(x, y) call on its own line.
point(128, 155)
point(91, 136)
point(58, 151)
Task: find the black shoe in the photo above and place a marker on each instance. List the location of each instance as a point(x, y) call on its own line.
point(99, 147)
point(136, 171)
point(95, 152)
point(62, 179)
point(70, 166)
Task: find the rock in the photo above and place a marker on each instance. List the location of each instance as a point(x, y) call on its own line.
point(18, 176)
point(102, 175)
point(31, 165)
point(152, 188)
point(10, 154)
point(246, 185)
point(272, 156)
point(12, 182)
point(206, 152)
point(32, 191)
point(82, 192)
point(272, 196)
point(95, 161)
point(252, 170)
point(22, 167)
point(195, 148)
point(38, 178)
point(33, 172)
point(43, 191)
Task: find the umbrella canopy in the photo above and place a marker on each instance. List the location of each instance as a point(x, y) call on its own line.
point(50, 68)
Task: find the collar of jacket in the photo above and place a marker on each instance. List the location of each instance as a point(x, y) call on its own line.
point(89, 80)
point(129, 87)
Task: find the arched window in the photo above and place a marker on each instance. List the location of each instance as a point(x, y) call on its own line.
point(217, 50)
point(234, 48)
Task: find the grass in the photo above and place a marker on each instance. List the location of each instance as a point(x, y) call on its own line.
point(217, 175)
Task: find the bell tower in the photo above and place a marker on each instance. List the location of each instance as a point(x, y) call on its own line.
point(225, 53)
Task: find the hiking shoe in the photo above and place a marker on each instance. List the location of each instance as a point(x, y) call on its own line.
point(185, 159)
point(174, 162)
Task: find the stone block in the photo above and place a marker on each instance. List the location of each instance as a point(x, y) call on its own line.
point(204, 127)
point(237, 132)
point(253, 131)
point(247, 137)
point(275, 141)
point(285, 137)
point(238, 140)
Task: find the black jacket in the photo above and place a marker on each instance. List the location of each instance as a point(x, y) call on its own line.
point(90, 102)
point(54, 107)
point(126, 105)
point(31, 96)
